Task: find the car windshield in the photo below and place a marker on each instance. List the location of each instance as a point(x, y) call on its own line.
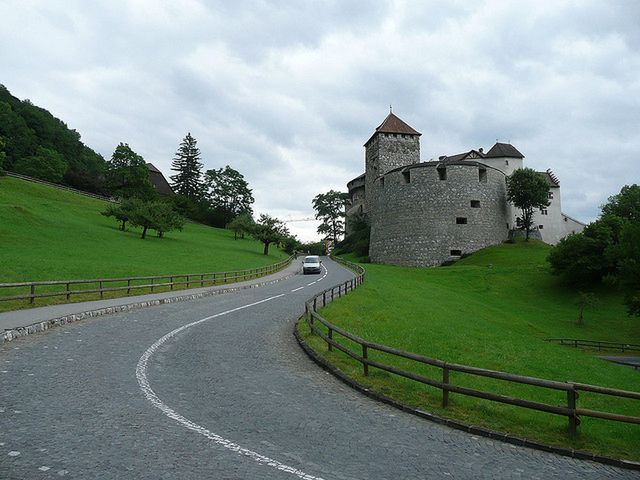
point(311, 260)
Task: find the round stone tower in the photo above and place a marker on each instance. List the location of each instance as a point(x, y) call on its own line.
point(427, 213)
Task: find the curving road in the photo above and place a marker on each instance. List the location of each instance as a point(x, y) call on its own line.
point(217, 388)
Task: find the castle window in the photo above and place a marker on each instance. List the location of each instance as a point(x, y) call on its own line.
point(382, 182)
point(506, 162)
point(482, 175)
point(544, 211)
point(442, 173)
point(461, 220)
point(550, 195)
point(475, 203)
point(407, 176)
point(540, 227)
point(455, 253)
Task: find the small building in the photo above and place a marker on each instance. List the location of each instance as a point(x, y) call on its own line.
point(158, 181)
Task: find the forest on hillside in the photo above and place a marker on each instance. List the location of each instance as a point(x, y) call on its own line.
point(34, 142)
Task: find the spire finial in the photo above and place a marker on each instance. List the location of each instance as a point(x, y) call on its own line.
point(390, 109)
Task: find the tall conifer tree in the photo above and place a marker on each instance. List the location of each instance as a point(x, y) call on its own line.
point(188, 179)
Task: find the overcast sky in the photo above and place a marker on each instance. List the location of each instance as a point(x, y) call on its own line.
point(287, 92)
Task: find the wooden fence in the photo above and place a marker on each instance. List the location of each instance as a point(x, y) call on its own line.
point(569, 409)
point(596, 344)
point(66, 288)
point(60, 187)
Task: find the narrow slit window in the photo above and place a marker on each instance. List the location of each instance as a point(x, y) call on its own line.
point(456, 253)
point(482, 175)
point(382, 182)
point(407, 176)
point(540, 227)
point(544, 211)
point(442, 173)
point(461, 220)
point(475, 203)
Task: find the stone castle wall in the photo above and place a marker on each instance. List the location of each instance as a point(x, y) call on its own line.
point(415, 210)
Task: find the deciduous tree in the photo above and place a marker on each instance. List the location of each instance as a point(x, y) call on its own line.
point(330, 209)
point(127, 174)
point(527, 190)
point(269, 230)
point(46, 164)
point(228, 193)
point(241, 225)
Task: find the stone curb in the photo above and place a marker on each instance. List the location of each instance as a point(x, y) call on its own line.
point(39, 327)
point(485, 432)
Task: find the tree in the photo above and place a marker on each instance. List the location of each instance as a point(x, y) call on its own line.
point(625, 204)
point(46, 164)
point(330, 209)
point(127, 174)
point(241, 225)
point(585, 300)
point(629, 266)
point(188, 179)
point(122, 211)
point(269, 230)
point(159, 216)
point(3, 155)
point(228, 193)
point(527, 190)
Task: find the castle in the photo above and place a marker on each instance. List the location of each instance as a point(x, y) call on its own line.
point(427, 213)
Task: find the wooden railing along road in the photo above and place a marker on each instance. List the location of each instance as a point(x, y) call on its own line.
point(570, 409)
point(66, 288)
point(596, 344)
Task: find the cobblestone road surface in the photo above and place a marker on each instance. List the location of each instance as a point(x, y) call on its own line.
point(240, 400)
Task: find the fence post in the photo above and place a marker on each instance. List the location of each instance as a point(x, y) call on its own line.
point(315, 308)
point(202, 280)
point(101, 291)
point(324, 298)
point(445, 382)
point(332, 293)
point(171, 282)
point(365, 357)
point(329, 346)
point(128, 286)
point(572, 400)
point(152, 282)
point(32, 296)
point(214, 278)
point(68, 294)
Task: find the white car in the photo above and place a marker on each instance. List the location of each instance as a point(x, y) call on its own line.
point(311, 264)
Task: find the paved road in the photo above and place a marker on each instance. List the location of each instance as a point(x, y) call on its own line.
point(217, 388)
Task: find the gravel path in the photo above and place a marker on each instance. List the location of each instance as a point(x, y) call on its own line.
point(218, 388)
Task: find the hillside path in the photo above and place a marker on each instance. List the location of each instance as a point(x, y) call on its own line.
point(218, 388)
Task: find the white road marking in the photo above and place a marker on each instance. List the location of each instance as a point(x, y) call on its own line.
point(143, 382)
point(309, 284)
point(296, 289)
point(326, 272)
point(13, 453)
point(44, 468)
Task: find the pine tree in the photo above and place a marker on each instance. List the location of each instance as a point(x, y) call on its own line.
point(188, 180)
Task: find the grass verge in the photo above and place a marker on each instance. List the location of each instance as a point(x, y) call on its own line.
point(492, 310)
point(50, 234)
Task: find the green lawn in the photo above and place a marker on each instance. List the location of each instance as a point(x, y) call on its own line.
point(494, 310)
point(50, 234)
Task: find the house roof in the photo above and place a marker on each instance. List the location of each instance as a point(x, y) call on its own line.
point(471, 154)
point(393, 124)
point(503, 150)
point(551, 179)
point(158, 181)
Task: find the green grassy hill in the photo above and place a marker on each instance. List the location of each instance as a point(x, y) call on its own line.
point(493, 310)
point(50, 234)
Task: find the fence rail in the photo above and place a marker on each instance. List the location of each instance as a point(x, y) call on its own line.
point(596, 344)
point(105, 285)
point(59, 186)
point(569, 409)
